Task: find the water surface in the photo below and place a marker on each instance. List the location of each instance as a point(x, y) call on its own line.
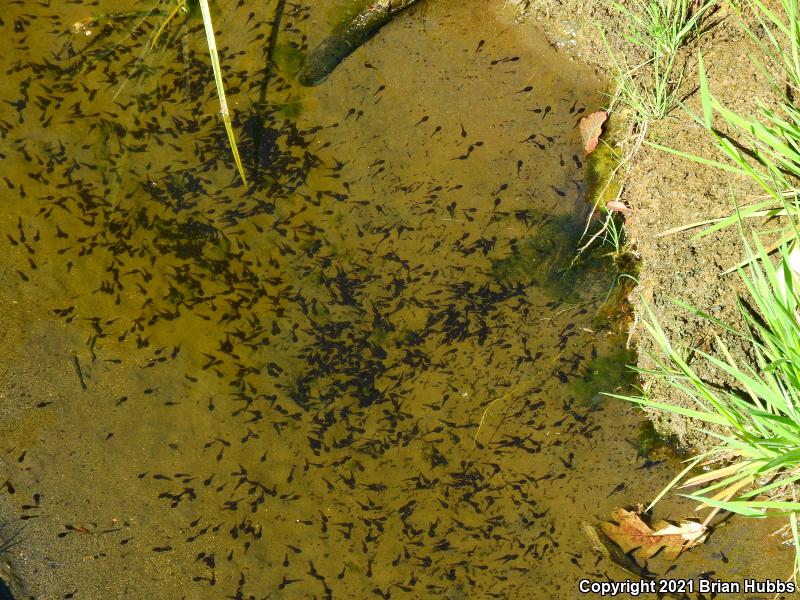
point(369, 373)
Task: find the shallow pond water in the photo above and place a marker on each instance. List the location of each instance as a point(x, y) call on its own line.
point(370, 373)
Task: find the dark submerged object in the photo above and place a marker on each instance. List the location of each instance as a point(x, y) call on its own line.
point(338, 46)
point(5, 591)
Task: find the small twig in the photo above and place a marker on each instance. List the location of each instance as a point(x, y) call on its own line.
point(9, 542)
point(602, 230)
point(519, 387)
point(563, 310)
point(76, 363)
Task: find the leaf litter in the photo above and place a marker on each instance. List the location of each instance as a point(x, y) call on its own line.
point(631, 533)
point(617, 206)
point(591, 127)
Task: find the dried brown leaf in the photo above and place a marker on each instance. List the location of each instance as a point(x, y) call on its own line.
point(631, 533)
point(618, 206)
point(591, 126)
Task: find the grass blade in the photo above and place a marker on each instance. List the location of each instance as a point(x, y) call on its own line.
point(223, 103)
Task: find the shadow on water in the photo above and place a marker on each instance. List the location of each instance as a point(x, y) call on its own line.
point(369, 373)
point(5, 591)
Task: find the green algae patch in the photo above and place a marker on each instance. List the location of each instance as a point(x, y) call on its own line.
point(602, 165)
point(616, 312)
point(547, 259)
point(651, 445)
point(292, 108)
point(526, 263)
point(540, 257)
point(288, 59)
point(605, 372)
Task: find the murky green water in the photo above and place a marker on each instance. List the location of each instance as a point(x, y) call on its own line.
point(367, 374)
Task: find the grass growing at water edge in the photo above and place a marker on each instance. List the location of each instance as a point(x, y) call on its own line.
point(658, 29)
point(756, 463)
point(767, 151)
point(766, 148)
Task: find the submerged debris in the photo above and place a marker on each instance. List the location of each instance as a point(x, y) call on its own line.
point(630, 532)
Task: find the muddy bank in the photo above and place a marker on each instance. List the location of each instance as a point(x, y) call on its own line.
point(665, 191)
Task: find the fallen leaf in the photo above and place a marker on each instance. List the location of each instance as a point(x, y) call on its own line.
point(691, 531)
point(604, 545)
point(631, 533)
point(591, 126)
point(618, 206)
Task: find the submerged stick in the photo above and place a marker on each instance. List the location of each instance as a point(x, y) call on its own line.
point(270, 52)
point(78, 371)
point(338, 46)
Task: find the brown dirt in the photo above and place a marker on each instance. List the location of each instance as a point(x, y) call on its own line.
point(665, 191)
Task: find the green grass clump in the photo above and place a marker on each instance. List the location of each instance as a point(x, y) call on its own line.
point(780, 37)
point(757, 421)
point(658, 29)
point(754, 467)
point(767, 151)
point(764, 147)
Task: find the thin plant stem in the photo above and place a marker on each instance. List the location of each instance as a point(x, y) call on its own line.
point(223, 103)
